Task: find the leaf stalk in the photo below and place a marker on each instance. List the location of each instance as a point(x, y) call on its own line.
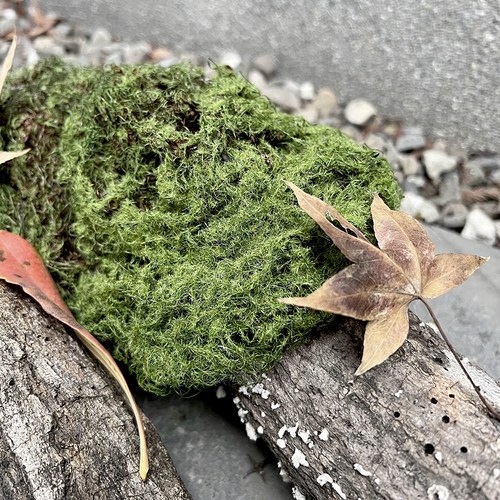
point(491, 411)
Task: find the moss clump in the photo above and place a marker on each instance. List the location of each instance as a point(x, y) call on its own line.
point(157, 200)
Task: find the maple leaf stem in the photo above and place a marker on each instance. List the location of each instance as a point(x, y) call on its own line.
point(491, 411)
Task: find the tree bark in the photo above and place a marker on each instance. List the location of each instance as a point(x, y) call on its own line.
point(410, 428)
point(65, 429)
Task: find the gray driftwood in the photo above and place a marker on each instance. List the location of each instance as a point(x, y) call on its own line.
point(411, 428)
point(65, 429)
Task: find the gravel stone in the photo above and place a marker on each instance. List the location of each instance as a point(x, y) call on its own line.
point(359, 112)
point(454, 216)
point(7, 26)
point(47, 46)
point(486, 163)
point(168, 61)
point(490, 208)
point(437, 162)
point(474, 174)
point(114, 58)
point(449, 188)
point(414, 183)
point(8, 14)
point(409, 164)
point(352, 132)
point(257, 78)
point(411, 138)
point(420, 208)
point(325, 103)
point(100, 38)
point(285, 98)
point(62, 30)
point(231, 59)
point(309, 113)
point(266, 64)
point(375, 141)
point(306, 92)
point(495, 177)
point(136, 53)
point(479, 226)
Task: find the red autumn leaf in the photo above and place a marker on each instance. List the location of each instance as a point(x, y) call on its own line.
point(20, 264)
point(380, 284)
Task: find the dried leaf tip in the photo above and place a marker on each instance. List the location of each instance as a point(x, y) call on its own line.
point(4, 70)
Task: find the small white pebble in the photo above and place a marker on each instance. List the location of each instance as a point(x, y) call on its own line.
point(359, 468)
point(298, 459)
point(258, 388)
point(260, 429)
point(324, 478)
point(275, 406)
point(263, 414)
point(281, 443)
point(339, 491)
point(324, 434)
point(236, 400)
point(296, 390)
point(377, 480)
point(304, 435)
point(293, 430)
point(244, 390)
point(241, 414)
point(265, 394)
point(496, 473)
point(398, 394)
point(282, 431)
point(252, 435)
point(220, 393)
point(311, 445)
point(439, 457)
point(439, 492)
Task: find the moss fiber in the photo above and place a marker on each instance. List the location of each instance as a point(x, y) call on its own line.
point(157, 200)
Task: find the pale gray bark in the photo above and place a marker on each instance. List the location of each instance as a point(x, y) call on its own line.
point(410, 428)
point(66, 431)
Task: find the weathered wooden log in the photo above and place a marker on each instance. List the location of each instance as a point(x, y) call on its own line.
point(410, 428)
point(65, 429)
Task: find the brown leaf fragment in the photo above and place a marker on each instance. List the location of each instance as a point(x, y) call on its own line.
point(382, 281)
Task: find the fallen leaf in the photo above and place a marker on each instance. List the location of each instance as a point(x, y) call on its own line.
point(7, 64)
point(20, 264)
point(382, 281)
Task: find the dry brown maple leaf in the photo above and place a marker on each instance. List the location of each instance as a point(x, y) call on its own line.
point(380, 284)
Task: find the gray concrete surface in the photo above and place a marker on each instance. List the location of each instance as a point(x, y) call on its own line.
point(470, 314)
point(436, 64)
point(212, 454)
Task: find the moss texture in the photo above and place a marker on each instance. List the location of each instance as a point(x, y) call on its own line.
point(157, 200)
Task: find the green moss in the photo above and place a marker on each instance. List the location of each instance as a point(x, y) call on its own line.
point(157, 199)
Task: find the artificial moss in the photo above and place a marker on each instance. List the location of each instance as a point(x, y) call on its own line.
point(157, 199)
